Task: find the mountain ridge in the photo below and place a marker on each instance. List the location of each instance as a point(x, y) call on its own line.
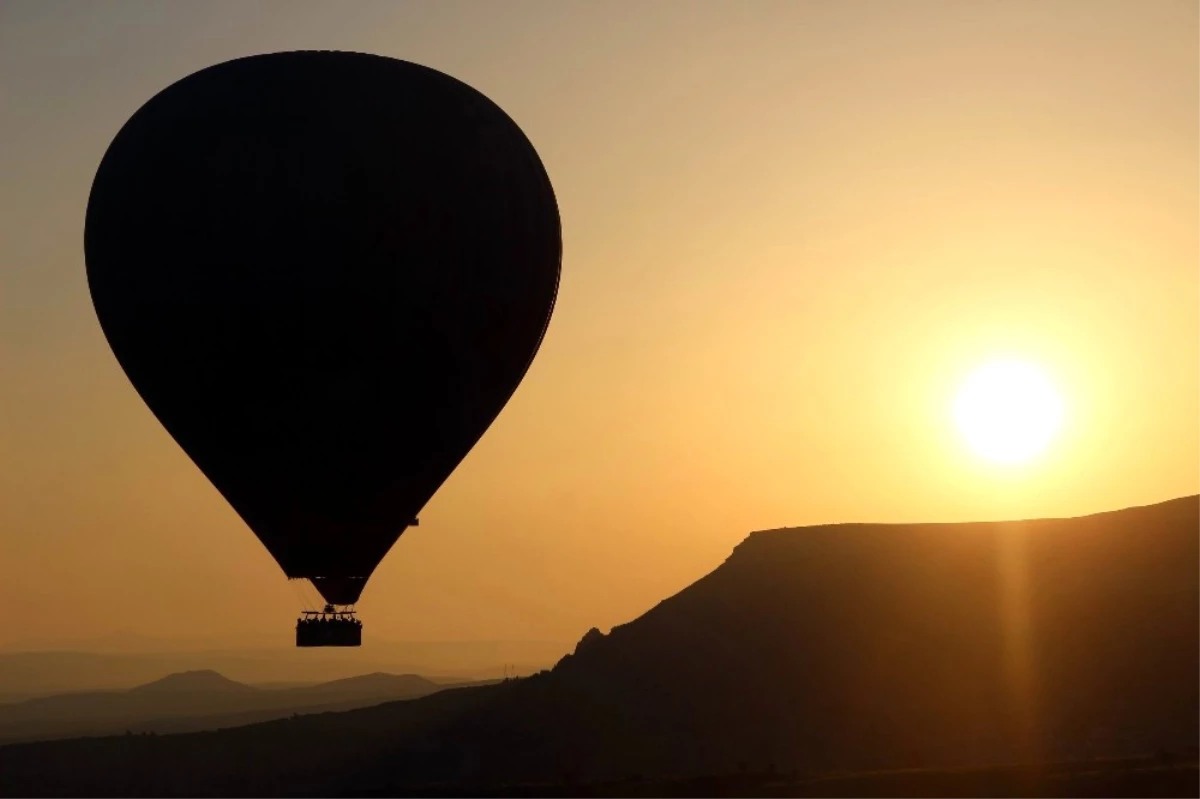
point(943, 646)
point(194, 700)
point(206, 680)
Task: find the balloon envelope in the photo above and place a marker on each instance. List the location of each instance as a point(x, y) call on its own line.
point(325, 273)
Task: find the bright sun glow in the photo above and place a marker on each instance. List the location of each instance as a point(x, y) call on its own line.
point(1008, 411)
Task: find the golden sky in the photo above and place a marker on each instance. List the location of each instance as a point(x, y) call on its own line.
point(791, 230)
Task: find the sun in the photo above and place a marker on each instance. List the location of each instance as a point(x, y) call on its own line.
point(1008, 411)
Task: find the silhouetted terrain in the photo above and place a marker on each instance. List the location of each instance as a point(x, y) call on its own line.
point(1163, 775)
point(844, 649)
point(41, 668)
point(196, 700)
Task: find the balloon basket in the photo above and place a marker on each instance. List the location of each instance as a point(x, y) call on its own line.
point(328, 628)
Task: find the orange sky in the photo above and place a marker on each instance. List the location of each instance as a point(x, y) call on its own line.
point(790, 231)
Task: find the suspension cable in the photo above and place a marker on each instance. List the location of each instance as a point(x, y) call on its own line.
point(298, 590)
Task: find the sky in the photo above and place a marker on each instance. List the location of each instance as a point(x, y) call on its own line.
point(791, 231)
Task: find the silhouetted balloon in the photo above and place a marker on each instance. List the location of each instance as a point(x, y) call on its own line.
point(325, 273)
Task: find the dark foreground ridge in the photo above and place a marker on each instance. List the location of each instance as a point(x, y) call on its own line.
point(812, 655)
point(1165, 775)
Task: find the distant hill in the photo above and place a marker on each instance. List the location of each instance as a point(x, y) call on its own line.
point(29, 673)
point(832, 649)
point(194, 700)
point(377, 684)
point(187, 682)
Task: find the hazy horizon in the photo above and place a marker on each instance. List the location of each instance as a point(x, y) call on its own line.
point(791, 230)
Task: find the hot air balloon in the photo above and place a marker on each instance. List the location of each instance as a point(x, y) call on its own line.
point(325, 273)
